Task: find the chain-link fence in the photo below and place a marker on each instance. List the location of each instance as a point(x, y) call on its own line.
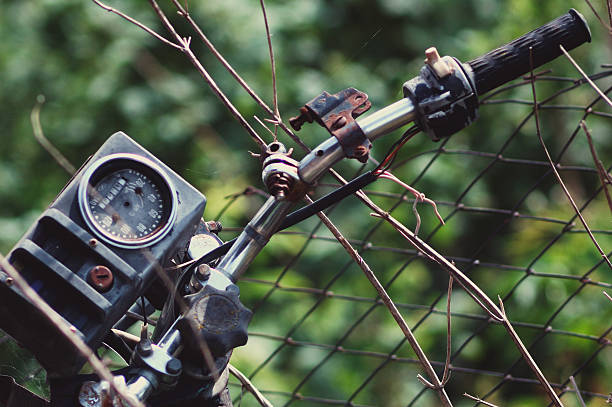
point(513, 232)
point(322, 335)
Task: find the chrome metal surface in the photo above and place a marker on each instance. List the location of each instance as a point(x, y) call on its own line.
point(319, 160)
point(247, 246)
point(202, 244)
point(387, 119)
point(140, 387)
point(170, 341)
point(279, 173)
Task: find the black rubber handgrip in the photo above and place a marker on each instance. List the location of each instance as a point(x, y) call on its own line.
point(513, 59)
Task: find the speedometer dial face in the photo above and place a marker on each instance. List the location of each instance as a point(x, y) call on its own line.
point(127, 201)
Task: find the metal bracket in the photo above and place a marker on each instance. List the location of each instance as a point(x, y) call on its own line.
point(337, 113)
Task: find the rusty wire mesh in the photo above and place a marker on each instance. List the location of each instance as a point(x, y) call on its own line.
point(321, 336)
point(512, 231)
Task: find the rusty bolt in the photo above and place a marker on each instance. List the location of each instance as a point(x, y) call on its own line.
point(101, 278)
point(93, 242)
point(204, 271)
point(280, 184)
point(214, 226)
point(298, 121)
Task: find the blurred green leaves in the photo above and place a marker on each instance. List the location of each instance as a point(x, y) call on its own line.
point(100, 74)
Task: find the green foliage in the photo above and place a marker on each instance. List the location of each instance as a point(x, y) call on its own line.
point(99, 74)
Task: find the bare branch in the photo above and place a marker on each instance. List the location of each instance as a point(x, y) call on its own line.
point(527, 357)
point(246, 383)
point(607, 296)
point(486, 403)
point(578, 395)
point(498, 314)
point(399, 319)
point(419, 197)
point(126, 335)
point(265, 127)
point(137, 23)
point(604, 177)
point(68, 331)
point(586, 77)
point(550, 161)
point(603, 23)
point(273, 66)
point(44, 142)
point(446, 375)
point(236, 76)
point(185, 47)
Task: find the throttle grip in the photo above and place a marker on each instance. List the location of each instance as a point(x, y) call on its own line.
point(513, 59)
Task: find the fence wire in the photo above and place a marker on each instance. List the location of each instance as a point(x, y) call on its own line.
point(321, 335)
point(525, 245)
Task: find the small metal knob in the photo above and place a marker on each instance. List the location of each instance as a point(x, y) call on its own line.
point(101, 278)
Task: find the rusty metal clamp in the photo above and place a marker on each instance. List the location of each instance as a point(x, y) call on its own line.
point(337, 113)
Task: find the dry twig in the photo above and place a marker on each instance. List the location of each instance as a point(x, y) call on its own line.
point(237, 77)
point(447, 364)
point(603, 23)
point(183, 44)
point(604, 177)
point(437, 385)
point(137, 23)
point(419, 197)
point(44, 142)
point(247, 384)
point(586, 77)
point(497, 314)
point(549, 158)
point(277, 117)
point(486, 403)
point(578, 395)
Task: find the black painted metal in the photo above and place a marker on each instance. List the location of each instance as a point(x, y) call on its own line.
point(58, 252)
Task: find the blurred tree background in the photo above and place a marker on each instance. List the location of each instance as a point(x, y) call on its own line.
point(100, 74)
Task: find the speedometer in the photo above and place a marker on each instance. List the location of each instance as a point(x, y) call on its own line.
point(127, 200)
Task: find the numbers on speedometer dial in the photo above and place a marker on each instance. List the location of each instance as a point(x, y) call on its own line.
point(127, 204)
point(127, 201)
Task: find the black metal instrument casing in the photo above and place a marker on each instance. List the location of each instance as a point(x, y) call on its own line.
point(57, 254)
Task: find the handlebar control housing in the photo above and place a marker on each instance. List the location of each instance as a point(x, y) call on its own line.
point(445, 94)
point(444, 98)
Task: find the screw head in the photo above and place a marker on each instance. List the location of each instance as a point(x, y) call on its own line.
point(174, 366)
point(204, 271)
point(101, 278)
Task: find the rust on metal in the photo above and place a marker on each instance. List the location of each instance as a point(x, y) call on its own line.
point(337, 113)
point(279, 184)
point(101, 278)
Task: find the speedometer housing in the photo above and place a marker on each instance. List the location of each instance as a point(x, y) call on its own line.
point(66, 244)
point(127, 201)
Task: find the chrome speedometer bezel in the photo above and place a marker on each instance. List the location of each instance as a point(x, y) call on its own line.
point(133, 161)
